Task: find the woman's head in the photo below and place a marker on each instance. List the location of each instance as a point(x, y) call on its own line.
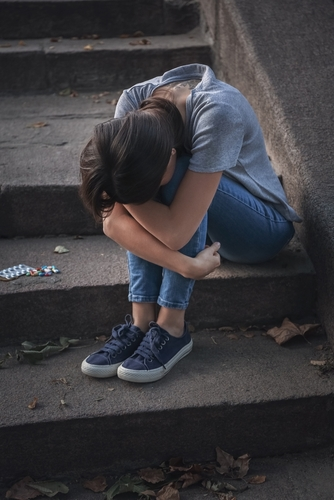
point(126, 158)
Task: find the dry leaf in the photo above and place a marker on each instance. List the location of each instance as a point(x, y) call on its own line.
point(49, 488)
point(152, 475)
point(176, 463)
point(226, 329)
point(143, 41)
point(65, 92)
point(97, 484)
point(5, 45)
point(60, 249)
point(232, 336)
point(226, 496)
point(149, 493)
point(217, 486)
point(256, 479)
point(168, 493)
point(33, 404)
point(61, 380)
point(288, 330)
point(189, 479)
point(102, 338)
point(38, 125)
point(74, 93)
point(22, 491)
point(248, 335)
point(229, 466)
point(319, 347)
point(22, 43)
point(317, 363)
point(88, 47)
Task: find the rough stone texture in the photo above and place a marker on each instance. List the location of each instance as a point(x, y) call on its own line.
point(107, 18)
point(109, 64)
point(247, 395)
point(301, 476)
point(94, 273)
point(280, 55)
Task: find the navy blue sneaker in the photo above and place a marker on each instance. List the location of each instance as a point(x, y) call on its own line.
point(123, 342)
point(155, 357)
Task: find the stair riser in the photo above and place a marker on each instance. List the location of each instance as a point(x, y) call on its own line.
point(51, 313)
point(31, 19)
point(129, 442)
point(92, 70)
point(52, 210)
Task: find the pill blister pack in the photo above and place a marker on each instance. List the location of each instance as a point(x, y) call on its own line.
point(14, 272)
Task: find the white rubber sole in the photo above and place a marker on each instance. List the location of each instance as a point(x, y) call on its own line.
point(143, 376)
point(99, 371)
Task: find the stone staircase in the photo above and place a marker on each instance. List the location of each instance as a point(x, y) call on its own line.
point(62, 72)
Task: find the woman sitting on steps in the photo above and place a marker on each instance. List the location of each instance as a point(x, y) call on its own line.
point(183, 162)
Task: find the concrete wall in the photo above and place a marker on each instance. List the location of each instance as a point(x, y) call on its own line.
point(280, 54)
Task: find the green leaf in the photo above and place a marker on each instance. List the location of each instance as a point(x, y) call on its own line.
point(65, 341)
point(126, 484)
point(49, 488)
point(34, 353)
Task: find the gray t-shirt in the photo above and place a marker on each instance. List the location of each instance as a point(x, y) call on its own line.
point(222, 132)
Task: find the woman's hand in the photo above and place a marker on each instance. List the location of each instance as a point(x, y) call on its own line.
point(204, 263)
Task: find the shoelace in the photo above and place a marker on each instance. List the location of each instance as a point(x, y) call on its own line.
point(121, 338)
point(153, 341)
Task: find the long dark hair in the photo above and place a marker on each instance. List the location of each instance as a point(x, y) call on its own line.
point(126, 158)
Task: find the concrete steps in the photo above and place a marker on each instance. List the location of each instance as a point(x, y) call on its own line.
point(40, 166)
point(246, 396)
point(249, 395)
point(94, 272)
point(104, 64)
point(107, 18)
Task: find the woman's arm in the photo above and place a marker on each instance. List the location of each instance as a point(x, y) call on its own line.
point(123, 229)
point(176, 224)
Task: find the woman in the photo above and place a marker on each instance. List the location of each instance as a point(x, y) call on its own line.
point(183, 162)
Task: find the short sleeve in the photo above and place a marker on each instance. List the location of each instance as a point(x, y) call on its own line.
point(217, 136)
point(124, 105)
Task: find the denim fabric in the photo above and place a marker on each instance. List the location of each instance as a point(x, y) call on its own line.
point(249, 231)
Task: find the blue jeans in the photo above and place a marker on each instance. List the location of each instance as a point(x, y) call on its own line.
point(249, 231)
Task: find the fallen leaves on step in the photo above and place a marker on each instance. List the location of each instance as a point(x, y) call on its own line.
point(34, 353)
point(168, 493)
point(226, 496)
point(60, 249)
point(27, 489)
point(22, 491)
point(97, 484)
point(316, 362)
point(256, 479)
point(288, 330)
point(33, 404)
point(65, 92)
point(49, 488)
point(143, 41)
point(38, 125)
point(228, 466)
point(218, 486)
point(126, 484)
point(151, 475)
point(159, 483)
